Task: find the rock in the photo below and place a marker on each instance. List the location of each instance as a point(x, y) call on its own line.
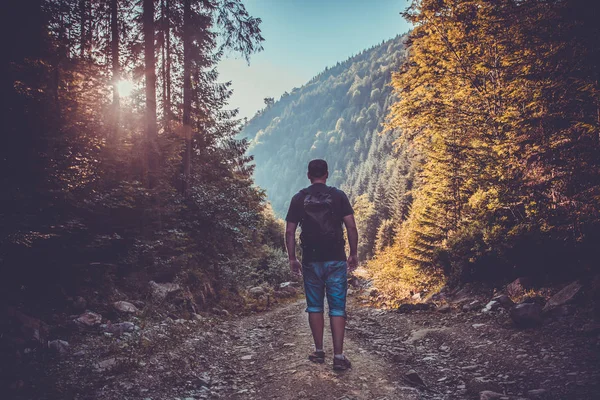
point(416, 296)
point(472, 306)
point(106, 365)
point(441, 295)
point(288, 284)
point(566, 296)
point(412, 377)
point(561, 311)
point(518, 287)
point(526, 314)
point(491, 306)
point(504, 301)
point(246, 358)
point(257, 291)
point(479, 384)
point(89, 319)
point(220, 311)
point(79, 304)
point(286, 291)
point(120, 328)
point(536, 392)
point(125, 307)
point(138, 303)
point(58, 346)
point(160, 291)
point(407, 307)
point(444, 309)
point(489, 395)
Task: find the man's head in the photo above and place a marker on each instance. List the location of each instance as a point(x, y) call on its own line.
point(317, 171)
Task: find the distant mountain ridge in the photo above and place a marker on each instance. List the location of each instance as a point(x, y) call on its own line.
point(336, 116)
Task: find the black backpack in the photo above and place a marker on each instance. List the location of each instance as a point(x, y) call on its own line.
point(321, 227)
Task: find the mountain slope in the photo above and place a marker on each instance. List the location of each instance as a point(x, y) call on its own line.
point(336, 116)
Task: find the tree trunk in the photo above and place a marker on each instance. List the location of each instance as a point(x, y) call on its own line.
point(187, 96)
point(166, 64)
point(150, 74)
point(116, 73)
point(82, 28)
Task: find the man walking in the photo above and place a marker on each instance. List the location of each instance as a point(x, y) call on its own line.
point(320, 210)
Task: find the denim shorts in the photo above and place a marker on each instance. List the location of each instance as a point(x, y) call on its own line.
point(326, 277)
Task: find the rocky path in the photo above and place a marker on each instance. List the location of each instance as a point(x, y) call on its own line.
point(272, 351)
point(419, 355)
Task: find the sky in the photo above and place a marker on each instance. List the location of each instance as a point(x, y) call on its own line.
point(302, 37)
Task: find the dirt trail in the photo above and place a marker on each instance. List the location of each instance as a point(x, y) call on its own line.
point(273, 350)
point(457, 355)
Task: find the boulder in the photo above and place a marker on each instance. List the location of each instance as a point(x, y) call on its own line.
point(159, 291)
point(472, 306)
point(566, 296)
point(125, 307)
point(407, 307)
point(518, 287)
point(526, 314)
point(89, 319)
point(412, 377)
point(58, 346)
point(491, 306)
point(504, 301)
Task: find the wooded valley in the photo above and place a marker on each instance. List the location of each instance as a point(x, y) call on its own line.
point(469, 148)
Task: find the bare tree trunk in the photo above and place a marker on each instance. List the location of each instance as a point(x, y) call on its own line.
point(82, 28)
point(187, 96)
point(150, 74)
point(166, 64)
point(116, 71)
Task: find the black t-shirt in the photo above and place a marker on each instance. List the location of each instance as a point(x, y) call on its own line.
point(341, 208)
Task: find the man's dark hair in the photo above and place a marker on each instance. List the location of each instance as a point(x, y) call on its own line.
point(317, 168)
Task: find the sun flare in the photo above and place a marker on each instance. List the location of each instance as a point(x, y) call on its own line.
point(125, 87)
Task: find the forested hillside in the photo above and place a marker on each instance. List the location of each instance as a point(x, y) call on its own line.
point(488, 168)
point(337, 116)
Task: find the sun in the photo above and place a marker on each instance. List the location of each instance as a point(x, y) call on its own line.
point(125, 87)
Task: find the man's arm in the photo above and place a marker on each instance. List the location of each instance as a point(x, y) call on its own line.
point(350, 224)
point(290, 243)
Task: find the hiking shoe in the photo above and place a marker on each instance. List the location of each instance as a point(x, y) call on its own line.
point(341, 364)
point(317, 357)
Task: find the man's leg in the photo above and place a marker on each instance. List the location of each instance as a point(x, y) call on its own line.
point(314, 288)
point(338, 326)
point(317, 325)
point(337, 285)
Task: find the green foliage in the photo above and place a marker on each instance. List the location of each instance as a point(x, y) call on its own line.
point(340, 110)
